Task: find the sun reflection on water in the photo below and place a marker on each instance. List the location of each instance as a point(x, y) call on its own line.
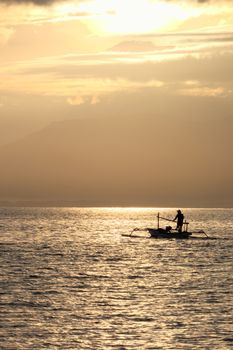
point(71, 279)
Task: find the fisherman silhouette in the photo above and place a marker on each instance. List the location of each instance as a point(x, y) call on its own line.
point(180, 220)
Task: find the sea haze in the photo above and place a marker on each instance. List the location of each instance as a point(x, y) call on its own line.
point(70, 279)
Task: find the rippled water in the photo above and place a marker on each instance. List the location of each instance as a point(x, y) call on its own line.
point(70, 280)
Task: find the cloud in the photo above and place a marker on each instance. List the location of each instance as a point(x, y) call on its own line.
point(81, 79)
point(133, 45)
point(36, 2)
point(48, 2)
point(203, 1)
point(76, 101)
point(170, 46)
point(139, 46)
point(79, 100)
point(206, 91)
point(95, 89)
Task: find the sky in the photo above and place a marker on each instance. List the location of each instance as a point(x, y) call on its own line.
point(116, 103)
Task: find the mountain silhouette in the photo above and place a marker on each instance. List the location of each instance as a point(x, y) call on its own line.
point(105, 161)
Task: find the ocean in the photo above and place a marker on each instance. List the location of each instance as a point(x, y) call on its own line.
point(70, 279)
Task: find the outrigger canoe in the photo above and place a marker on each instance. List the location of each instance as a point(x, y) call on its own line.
point(163, 233)
point(168, 232)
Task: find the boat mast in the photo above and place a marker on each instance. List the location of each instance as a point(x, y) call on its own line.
point(158, 221)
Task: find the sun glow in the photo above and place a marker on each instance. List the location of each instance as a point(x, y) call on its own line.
point(135, 17)
point(128, 17)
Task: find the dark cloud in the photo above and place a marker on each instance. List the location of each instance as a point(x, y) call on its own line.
point(18, 2)
point(35, 2)
point(48, 2)
point(29, 2)
point(203, 1)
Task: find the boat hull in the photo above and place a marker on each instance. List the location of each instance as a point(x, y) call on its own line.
point(162, 233)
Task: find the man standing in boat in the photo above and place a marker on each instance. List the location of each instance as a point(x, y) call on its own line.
point(180, 220)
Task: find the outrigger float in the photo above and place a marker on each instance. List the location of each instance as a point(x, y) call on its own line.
point(168, 231)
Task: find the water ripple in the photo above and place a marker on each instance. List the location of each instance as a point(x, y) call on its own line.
point(70, 280)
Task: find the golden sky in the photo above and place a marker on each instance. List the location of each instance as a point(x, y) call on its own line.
point(140, 65)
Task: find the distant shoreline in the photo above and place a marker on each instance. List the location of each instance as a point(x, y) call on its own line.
point(72, 204)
